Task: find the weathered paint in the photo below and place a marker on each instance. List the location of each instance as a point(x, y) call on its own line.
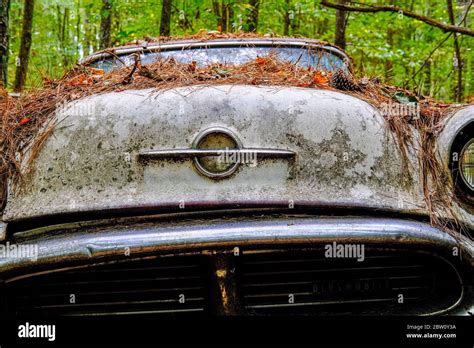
point(345, 152)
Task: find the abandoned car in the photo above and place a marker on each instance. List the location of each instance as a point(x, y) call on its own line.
point(239, 199)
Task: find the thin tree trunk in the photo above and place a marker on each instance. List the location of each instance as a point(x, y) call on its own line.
point(252, 19)
point(63, 25)
point(106, 24)
point(286, 19)
point(4, 41)
point(229, 15)
point(220, 13)
point(427, 79)
point(388, 62)
point(297, 23)
point(224, 19)
point(294, 21)
point(25, 45)
point(78, 27)
point(458, 92)
point(65, 34)
point(341, 21)
point(216, 8)
point(427, 87)
point(165, 18)
point(388, 65)
point(86, 49)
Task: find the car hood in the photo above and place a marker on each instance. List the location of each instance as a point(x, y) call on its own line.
point(345, 155)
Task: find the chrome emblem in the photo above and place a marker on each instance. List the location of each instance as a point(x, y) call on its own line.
point(217, 153)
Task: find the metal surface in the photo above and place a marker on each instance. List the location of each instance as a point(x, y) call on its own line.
point(345, 154)
point(3, 230)
point(191, 153)
point(470, 185)
point(298, 272)
point(93, 157)
point(85, 244)
point(189, 44)
point(224, 294)
point(195, 153)
point(453, 125)
point(238, 281)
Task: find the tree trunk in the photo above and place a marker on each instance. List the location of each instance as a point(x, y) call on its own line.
point(229, 15)
point(63, 25)
point(427, 79)
point(458, 92)
point(165, 18)
point(25, 45)
point(223, 13)
point(287, 19)
point(88, 42)
point(78, 27)
point(4, 41)
point(388, 64)
point(252, 19)
point(106, 24)
point(341, 21)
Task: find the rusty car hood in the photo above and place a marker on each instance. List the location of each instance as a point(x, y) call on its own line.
point(345, 154)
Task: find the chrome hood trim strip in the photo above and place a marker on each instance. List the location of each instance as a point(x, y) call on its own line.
point(191, 153)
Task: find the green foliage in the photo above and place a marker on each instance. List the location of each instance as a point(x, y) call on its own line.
point(67, 30)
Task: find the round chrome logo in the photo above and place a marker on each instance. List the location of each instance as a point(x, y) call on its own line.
point(211, 144)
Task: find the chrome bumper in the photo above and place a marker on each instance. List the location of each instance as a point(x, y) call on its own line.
point(76, 244)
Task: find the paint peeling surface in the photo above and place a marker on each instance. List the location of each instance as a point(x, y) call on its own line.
point(344, 152)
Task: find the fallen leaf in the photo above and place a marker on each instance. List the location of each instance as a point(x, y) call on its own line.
point(95, 71)
point(192, 66)
point(404, 98)
point(80, 80)
point(24, 120)
point(320, 78)
point(262, 60)
point(283, 73)
point(222, 72)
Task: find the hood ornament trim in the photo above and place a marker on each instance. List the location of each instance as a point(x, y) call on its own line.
point(195, 153)
point(191, 153)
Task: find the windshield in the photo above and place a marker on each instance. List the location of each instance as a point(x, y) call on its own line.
point(306, 57)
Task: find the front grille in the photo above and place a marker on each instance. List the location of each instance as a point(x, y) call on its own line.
point(265, 282)
point(296, 282)
point(168, 285)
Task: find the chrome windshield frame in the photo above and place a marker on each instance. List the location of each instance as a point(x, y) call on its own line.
point(218, 43)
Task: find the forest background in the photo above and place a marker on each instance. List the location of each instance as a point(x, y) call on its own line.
point(423, 45)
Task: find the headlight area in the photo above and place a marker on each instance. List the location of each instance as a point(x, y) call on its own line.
point(467, 164)
point(461, 163)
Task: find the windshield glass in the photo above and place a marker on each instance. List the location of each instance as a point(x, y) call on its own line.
point(306, 57)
